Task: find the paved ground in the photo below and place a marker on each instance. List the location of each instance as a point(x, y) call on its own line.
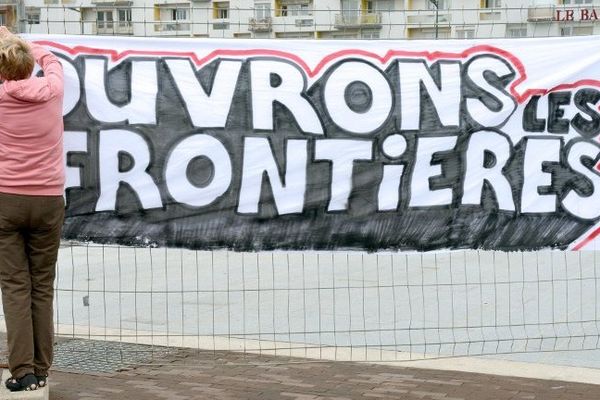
point(190, 374)
point(237, 377)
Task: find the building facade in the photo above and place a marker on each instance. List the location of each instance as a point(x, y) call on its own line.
point(308, 19)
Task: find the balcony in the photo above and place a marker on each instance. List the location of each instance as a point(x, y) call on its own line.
point(344, 21)
point(171, 26)
point(428, 18)
point(117, 3)
point(260, 24)
point(540, 14)
point(304, 22)
point(221, 25)
point(490, 16)
point(113, 28)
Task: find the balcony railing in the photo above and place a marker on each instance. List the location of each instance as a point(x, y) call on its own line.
point(304, 22)
point(171, 26)
point(114, 28)
point(116, 3)
point(429, 18)
point(260, 24)
point(343, 21)
point(540, 14)
point(222, 25)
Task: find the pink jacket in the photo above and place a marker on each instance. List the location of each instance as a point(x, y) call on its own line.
point(31, 131)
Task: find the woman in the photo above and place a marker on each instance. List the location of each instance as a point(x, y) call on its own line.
point(31, 204)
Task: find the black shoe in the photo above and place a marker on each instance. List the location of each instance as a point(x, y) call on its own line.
point(27, 382)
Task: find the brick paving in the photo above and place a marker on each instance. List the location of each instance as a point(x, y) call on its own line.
point(235, 376)
point(191, 374)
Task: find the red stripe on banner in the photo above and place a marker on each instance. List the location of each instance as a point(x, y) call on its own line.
point(587, 240)
point(431, 56)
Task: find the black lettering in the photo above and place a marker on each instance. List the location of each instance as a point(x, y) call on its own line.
point(531, 123)
point(556, 122)
point(584, 99)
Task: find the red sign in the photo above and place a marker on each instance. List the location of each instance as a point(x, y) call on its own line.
point(582, 14)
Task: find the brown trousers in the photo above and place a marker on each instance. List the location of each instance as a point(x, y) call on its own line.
point(30, 228)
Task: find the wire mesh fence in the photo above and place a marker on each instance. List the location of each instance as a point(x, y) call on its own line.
point(338, 305)
point(331, 305)
point(379, 19)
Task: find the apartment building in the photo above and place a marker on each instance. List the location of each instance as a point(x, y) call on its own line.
point(332, 19)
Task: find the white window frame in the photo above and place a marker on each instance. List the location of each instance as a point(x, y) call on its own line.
point(126, 13)
point(32, 15)
point(572, 30)
point(222, 8)
point(492, 4)
point(351, 8)
point(516, 30)
point(179, 14)
point(465, 33)
point(102, 22)
point(370, 34)
point(579, 30)
point(262, 10)
point(296, 10)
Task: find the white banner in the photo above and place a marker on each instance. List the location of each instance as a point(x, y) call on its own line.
point(252, 144)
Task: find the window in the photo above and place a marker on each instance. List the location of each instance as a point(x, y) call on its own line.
point(262, 10)
point(583, 30)
point(295, 10)
point(179, 14)
point(491, 4)
point(440, 4)
point(384, 5)
point(221, 10)
point(516, 30)
point(465, 33)
point(576, 31)
point(124, 16)
point(369, 34)
point(33, 15)
point(577, 1)
point(350, 8)
point(104, 19)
